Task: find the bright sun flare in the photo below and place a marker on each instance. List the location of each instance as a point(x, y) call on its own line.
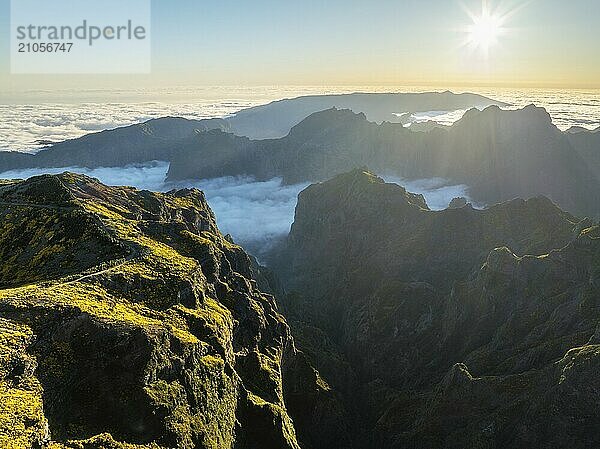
point(485, 30)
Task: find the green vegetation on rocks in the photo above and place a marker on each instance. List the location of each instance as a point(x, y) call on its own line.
point(127, 321)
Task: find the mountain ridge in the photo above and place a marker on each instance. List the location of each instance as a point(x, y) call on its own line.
point(251, 122)
point(498, 154)
point(280, 116)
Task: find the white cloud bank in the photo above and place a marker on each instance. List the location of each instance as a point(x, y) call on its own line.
point(27, 127)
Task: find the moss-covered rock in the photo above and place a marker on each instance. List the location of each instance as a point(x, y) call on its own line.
point(140, 327)
point(22, 421)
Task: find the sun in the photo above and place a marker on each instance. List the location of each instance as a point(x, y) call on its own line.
point(486, 28)
point(484, 31)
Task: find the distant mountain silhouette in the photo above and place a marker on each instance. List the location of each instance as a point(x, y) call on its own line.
point(151, 140)
point(499, 154)
point(157, 139)
point(277, 118)
point(587, 144)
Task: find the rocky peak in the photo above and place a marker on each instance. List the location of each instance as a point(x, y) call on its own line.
point(330, 120)
point(381, 228)
point(359, 190)
point(530, 116)
point(44, 189)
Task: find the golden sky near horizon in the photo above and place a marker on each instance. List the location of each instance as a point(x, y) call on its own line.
point(517, 43)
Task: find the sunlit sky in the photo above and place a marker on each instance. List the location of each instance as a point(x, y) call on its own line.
point(543, 43)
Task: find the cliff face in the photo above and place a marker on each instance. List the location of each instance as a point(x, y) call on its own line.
point(128, 320)
point(459, 328)
point(499, 154)
point(126, 317)
point(508, 154)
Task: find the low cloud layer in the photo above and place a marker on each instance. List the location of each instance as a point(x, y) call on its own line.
point(148, 176)
point(56, 116)
point(255, 213)
point(28, 127)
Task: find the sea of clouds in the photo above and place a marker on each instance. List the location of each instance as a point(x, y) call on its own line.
point(25, 125)
point(255, 213)
point(27, 128)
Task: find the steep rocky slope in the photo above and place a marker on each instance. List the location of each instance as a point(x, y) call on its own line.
point(452, 329)
point(499, 154)
point(127, 320)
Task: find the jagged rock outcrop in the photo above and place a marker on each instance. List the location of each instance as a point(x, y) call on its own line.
point(143, 325)
point(397, 233)
point(460, 328)
point(499, 154)
point(458, 202)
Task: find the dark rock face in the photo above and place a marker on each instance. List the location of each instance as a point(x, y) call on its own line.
point(460, 328)
point(499, 154)
point(384, 229)
point(144, 326)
